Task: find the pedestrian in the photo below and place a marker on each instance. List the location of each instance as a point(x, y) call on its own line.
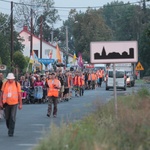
point(77, 83)
point(1, 83)
point(61, 78)
point(53, 87)
point(10, 99)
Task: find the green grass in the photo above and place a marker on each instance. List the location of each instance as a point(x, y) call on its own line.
point(140, 81)
point(102, 131)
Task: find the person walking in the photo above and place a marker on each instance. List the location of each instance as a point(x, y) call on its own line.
point(10, 98)
point(53, 87)
point(1, 83)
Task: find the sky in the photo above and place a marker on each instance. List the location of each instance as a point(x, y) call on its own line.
point(62, 5)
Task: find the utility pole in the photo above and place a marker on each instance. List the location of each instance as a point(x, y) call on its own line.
point(31, 32)
point(66, 45)
point(52, 34)
point(12, 36)
point(144, 6)
point(41, 35)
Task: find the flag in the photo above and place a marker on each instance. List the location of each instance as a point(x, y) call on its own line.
point(80, 61)
point(35, 58)
point(58, 55)
point(50, 54)
point(34, 61)
point(31, 61)
point(74, 57)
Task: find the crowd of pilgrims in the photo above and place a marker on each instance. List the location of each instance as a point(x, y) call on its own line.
point(73, 83)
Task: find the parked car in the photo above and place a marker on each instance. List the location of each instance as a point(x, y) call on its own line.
point(120, 80)
point(130, 80)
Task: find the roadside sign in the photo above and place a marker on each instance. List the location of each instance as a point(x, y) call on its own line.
point(114, 52)
point(139, 67)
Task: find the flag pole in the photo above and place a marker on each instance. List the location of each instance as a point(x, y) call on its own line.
point(27, 67)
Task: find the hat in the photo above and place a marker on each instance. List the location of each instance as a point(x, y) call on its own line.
point(10, 76)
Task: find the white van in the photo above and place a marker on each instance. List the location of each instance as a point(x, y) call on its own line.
point(120, 79)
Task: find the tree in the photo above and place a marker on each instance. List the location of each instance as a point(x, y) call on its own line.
point(124, 19)
point(43, 13)
point(90, 27)
point(19, 61)
point(5, 39)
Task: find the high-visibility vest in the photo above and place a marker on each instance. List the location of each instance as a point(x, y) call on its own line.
point(11, 93)
point(77, 81)
point(96, 77)
point(82, 80)
point(100, 74)
point(89, 77)
point(51, 90)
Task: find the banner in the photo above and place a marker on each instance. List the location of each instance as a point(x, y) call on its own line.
point(80, 61)
point(58, 55)
point(46, 61)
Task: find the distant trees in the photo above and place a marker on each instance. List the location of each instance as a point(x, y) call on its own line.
point(86, 27)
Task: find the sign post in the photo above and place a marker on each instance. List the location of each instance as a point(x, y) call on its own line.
point(115, 91)
point(114, 52)
point(139, 68)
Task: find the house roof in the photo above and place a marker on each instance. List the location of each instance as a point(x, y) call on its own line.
point(25, 29)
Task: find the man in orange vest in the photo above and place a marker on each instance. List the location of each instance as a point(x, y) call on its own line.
point(53, 87)
point(77, 83)
point(1, 83)
point(11, 96)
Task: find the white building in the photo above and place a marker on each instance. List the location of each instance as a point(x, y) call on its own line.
point(48, 50)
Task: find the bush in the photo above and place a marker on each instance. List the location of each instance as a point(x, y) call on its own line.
point(102, 131)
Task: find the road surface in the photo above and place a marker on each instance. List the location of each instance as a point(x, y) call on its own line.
point(32, 122)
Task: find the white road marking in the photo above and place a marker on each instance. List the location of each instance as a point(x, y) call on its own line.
point(27, 145)
point(38, 124)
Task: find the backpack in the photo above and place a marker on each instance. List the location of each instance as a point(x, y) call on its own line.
point(7, 82)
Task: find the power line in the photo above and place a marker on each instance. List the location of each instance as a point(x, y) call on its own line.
point(40, 5)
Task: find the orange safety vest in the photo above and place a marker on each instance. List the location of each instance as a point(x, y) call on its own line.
point(100, 74)
point(53, 91)
point(77, 81)
point(89, 76)
point(69, 81)
point(82, 80)
point(10, 93)
point(93, 77)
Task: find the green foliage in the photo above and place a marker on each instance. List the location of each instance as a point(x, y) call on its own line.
point(85, 28)
point(5, 39)
point(143, 92)
point(19, 60)
point(101, 130)
point(124, 20)
point(144, 44)
point(0, 60)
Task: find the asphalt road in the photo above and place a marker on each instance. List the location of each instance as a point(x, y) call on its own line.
point(32, 122)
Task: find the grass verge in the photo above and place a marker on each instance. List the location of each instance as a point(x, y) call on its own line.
point(102, 131)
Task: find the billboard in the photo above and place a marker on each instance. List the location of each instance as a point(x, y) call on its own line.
point(114, 52)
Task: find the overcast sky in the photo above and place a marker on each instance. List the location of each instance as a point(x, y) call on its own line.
point(63, 12)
